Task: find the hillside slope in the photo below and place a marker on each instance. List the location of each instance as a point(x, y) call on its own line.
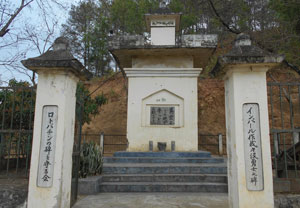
point(211, 105)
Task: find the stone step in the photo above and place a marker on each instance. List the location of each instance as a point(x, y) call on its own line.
point(163, 154)
point(220, 178)
point(164, 168)
point(161, 160)
point(163, 187)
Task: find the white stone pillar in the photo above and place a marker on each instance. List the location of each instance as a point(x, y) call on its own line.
point(53, 136)
point(247, 124)
point(247, 85)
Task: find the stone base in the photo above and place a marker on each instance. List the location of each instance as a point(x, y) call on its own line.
point(287, 185)
point(89, 185)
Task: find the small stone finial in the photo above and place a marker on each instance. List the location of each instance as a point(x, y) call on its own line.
point(242, 40)
point(61, 43)
point(164, 3)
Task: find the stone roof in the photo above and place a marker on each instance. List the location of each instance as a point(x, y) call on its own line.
point(200, 47)
point(58, 58)
point(244, 52)
point(160, 11)
point(55, 55)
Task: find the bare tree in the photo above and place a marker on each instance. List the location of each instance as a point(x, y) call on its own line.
point(8, 15)
point(19, 36)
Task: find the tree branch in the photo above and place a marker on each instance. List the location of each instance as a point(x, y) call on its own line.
point(5, 29)
point(235, 31)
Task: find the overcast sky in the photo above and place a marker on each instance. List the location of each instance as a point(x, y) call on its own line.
point(33, 17)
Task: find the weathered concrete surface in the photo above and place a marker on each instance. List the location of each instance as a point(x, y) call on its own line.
point(152, 200)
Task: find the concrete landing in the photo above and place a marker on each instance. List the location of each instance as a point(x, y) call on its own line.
point(153, 200)
point(199, 154)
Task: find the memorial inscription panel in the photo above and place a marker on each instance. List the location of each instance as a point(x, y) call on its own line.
point(163, 23)
point(47, 148)
point(162, 116)
point(252, 147)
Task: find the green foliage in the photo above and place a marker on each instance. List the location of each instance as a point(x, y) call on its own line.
point(288, 13)
point(90, 23)
point(17, 103)
point(17, 106)
point(128, 16)
point(288, 10)
point(90, 105)
point(15, 83)
point(288, 29)
point(274, 24)
point(90, 159)
point(87, 31)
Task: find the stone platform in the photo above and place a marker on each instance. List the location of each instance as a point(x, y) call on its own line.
point(171, 200)
point(164, 172)
point(153, 200)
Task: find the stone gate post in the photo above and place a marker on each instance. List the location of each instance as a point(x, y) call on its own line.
point(250, 177)
point(53, 136)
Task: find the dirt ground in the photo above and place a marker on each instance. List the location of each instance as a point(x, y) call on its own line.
point(13, 192)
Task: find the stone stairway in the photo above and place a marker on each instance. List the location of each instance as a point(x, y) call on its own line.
point(163, 172)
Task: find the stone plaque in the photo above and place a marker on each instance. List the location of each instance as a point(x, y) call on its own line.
point(162, 116)
point(252, 147)
point(47, 148)
point(163, 23)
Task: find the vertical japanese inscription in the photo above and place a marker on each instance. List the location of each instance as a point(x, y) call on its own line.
point(47, 148)
point(252, 147)
point(162, 116)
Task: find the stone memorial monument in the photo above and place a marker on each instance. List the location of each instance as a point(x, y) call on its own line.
point(162, 83)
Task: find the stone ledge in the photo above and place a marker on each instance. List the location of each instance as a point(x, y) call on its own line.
point(169, 72)
point(184, 41)
point(286, 185)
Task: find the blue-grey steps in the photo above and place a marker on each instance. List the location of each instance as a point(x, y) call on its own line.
point(163, 172)
point(163, 187)
point(164, 168)
point(198, 154)
point(161, 160)
point(215, 178)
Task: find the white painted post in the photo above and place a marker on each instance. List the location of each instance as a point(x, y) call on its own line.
point(247, 124)
point(102, 143)
point(53, 136)
point(276, 144)
point(296, 137)
point(220, 144)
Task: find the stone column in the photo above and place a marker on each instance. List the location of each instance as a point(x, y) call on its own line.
point(53, 136)
point(247, 124)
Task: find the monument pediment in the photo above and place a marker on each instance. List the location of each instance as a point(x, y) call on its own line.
point(162, 109)
point(163, 93)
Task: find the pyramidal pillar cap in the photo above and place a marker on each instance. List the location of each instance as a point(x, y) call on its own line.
point(60, 58)
point(244, 52)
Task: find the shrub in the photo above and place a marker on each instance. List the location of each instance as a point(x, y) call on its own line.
point(90, 160)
